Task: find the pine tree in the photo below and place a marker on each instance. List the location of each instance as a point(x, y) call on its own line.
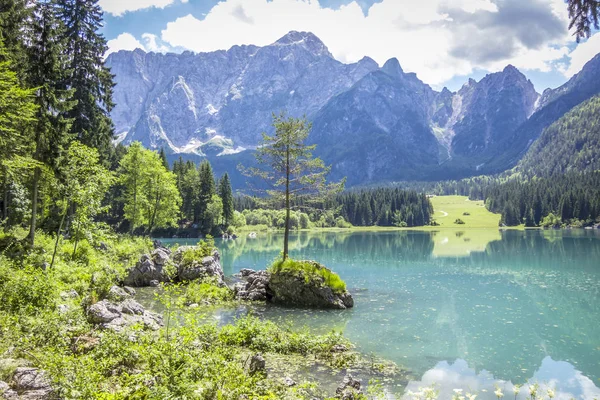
point(90, 78)
point(17, 111)
point(292, 170)
point(47, 71)
point(207, 190)
point(227, 197)
point(14, 16)
point(163, 158)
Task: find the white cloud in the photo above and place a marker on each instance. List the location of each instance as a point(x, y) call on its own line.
point(125, 41)
point(120, 7)
point(421, 35)
point(582, 54)
point(153, 43)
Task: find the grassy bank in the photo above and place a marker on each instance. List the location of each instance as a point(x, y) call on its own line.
point(44, 324)
point(447, 210)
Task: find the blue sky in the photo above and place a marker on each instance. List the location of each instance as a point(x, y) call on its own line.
point(444, 41)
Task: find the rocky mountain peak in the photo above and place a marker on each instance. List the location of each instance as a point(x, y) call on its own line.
point(392, 67)
point(307, 40)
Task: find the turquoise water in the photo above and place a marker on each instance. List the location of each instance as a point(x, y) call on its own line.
point(468, 310)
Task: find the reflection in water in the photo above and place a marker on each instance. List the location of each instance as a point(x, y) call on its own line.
point(561, 377)
point(503, 301)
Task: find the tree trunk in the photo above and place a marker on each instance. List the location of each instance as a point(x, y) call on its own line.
point(76, 243)
point(34, 204)
point(156, 205)
point(286, 237)
point(134, 206)
point(5, 199)
point(62, 221)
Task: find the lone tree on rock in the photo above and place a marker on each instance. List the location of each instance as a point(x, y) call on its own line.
point(294, 176)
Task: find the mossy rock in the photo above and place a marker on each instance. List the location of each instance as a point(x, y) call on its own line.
point(307, 283)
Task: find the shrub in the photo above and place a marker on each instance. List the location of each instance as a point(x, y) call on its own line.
point(26, 291)
point(466, 213)
point(204, 248)
point(459, 221)
point(207, 291)
point(311, 271)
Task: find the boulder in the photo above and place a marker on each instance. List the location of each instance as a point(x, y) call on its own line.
point(255, 286)
point(116, 293)
point(71, 294)
point(207, 267)
point(349, 389)
point(117, 316)
point(7, 393)
point(161, 256)
point(32, 384)
point(292, 288)
point(289, 382)
point(149, 268)
point(257, 365)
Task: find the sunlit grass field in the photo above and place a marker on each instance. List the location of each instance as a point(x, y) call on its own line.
point(447, 209)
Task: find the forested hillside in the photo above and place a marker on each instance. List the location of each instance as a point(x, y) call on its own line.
point(570, 144)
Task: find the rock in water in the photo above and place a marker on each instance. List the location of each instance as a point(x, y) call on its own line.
point(207, 267)
point(255, 287)
point(149, 268)
point(293, 288)
point(349, 389)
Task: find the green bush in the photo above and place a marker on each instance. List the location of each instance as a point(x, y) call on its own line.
point(25, 291)
point(311, 271)
point(207, 291)
point(204, 248)
point(459, 221)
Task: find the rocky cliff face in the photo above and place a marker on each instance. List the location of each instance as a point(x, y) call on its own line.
point(372, 124)
point(490, 109)
point(379, 129)
point(222, 101)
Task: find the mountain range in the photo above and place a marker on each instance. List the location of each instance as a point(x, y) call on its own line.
point(372, 124)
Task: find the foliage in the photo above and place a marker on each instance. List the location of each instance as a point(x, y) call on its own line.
point(569, 196)
point(194, 360)
point(151, 196)
point(550, 221)
point(367, 207)
point(204, 248)
point(226, 195)
point(583, 16)
point(459, 221)
point(86, 183)
point(89, 78)
point(207, 292)
point(570, 144)
point(311, 271)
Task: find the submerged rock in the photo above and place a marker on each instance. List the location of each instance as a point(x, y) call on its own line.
point(349, 389)
point(293, 288)
point(117, 316)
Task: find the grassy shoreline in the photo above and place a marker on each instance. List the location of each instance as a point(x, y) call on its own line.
point(447, 209)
